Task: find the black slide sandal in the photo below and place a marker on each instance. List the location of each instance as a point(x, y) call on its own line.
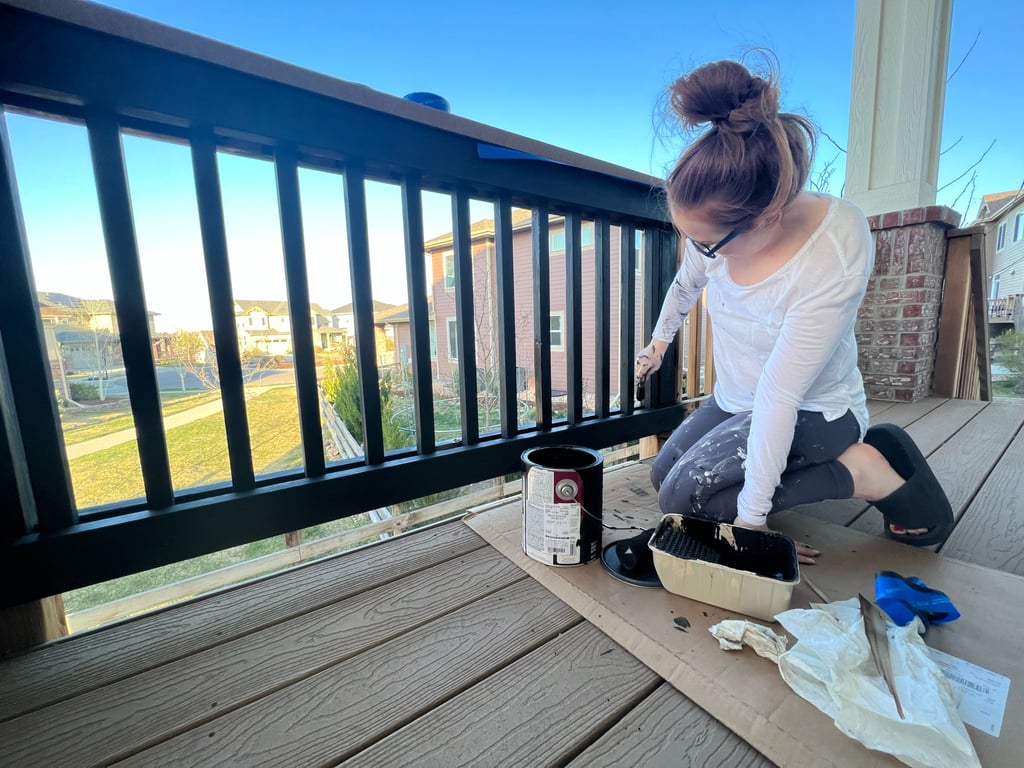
point(920, 502)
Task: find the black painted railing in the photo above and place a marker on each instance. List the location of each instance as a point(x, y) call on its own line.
point(114, 74)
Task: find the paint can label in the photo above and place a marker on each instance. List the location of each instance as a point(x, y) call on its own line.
point(552, 516)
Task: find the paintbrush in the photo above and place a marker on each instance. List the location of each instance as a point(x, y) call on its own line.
point(878, 642)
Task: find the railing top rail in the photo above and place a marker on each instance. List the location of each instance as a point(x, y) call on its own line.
point(139, 30)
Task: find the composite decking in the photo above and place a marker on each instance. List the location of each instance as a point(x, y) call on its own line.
point(433, 649)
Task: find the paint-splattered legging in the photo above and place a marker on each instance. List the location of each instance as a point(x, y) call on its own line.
point(699, 470)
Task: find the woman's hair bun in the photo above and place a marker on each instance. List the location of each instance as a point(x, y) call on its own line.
point(725, 94)
point(754, 160)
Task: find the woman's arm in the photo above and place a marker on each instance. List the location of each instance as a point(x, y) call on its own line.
point(682, 295)
point(811, 332)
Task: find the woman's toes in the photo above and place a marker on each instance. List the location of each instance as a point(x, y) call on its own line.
point(899, 530)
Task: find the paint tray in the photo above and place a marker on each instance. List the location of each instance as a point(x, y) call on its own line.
point(750, 572)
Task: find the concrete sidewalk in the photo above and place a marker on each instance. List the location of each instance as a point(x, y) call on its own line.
point(86, 447)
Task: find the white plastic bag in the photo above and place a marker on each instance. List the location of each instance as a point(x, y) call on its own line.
point(831, 667)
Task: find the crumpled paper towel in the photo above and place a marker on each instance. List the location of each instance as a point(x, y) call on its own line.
point(732, 634)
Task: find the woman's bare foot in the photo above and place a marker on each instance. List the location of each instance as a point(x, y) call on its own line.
point(874, 479)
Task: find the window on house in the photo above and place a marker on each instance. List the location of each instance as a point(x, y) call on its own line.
point(1018, 227)
point(557, 325)
point(448, 257)
point(995, 287)
point(557, 241)
point(433, 340)
point(1001, 237)
point(453, 339)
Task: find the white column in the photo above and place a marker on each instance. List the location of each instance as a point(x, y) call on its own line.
point(896, 103)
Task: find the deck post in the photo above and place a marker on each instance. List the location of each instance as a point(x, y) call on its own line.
point(30, 624)
point(898, 92)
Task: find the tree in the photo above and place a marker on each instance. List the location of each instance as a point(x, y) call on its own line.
point(186, 351)
point(193, 354)
point(341, 387)
point(96, 316)
point(394, 435)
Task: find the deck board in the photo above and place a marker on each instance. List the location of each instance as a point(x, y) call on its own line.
point(341, 709)
point(991, 531)
point(64, 669)
point(936, 426)
point(537, 712)
point(902, 414)
point(123, 717)
point(667, 729)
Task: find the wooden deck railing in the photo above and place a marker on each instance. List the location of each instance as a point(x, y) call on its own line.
point(1002, 310)
point(113, 74)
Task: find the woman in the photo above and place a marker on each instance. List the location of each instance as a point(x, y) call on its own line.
point(785, 272)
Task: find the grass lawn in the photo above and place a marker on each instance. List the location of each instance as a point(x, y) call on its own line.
point(198, 452)
point(1005, 389)
point(198, 456)
point(95, 421)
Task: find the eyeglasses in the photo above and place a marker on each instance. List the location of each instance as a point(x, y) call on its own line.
point(710, 251)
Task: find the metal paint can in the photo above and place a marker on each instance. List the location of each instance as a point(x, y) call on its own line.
point(562, 497)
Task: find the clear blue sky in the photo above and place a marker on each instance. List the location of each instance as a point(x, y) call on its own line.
point(587, 76)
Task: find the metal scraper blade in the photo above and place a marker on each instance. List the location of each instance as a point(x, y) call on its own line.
point(878, 642)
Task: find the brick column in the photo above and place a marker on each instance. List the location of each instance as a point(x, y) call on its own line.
point(896, 325)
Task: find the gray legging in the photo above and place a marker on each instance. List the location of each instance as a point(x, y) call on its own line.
point(699, 471)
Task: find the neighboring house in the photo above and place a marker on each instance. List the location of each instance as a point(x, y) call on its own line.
point(344, 317)
point(1003, 218)
point(444, 329)
point(81, 334)
point(393, 335)
point(265, 326)
point(343, 326)
point(327, 334)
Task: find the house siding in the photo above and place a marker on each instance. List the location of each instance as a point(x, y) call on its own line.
point(1008, 262)
point(484, 297)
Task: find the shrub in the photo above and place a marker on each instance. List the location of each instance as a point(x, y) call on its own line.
point(81, 390)
point(1009, 352)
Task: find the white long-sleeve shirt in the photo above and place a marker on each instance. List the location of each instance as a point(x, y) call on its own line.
point(783, 344)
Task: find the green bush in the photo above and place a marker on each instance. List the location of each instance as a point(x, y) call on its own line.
point(81, 390)
point(1008, 351)
point(341, 387)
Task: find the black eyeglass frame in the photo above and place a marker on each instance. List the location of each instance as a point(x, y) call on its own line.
point(712, 252)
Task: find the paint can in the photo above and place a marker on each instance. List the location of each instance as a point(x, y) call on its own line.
point(562, 497)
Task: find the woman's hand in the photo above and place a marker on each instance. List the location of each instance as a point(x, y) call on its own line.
point(805, 554)
point(649, 359)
